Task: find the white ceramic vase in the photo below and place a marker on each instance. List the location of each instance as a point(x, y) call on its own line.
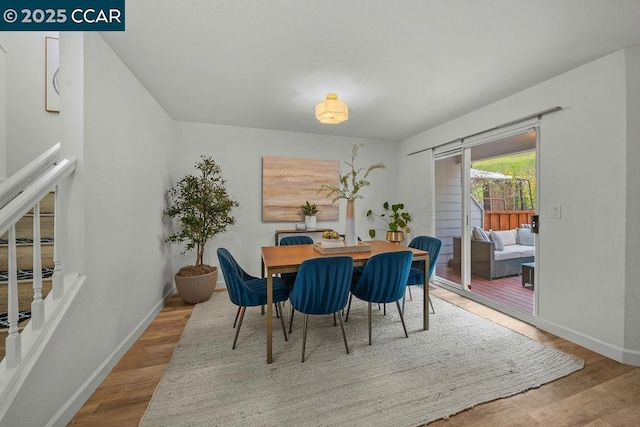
point(350, 236)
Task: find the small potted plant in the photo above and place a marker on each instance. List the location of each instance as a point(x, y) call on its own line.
point(396, 219)
point(309, 211)
point(202, 206)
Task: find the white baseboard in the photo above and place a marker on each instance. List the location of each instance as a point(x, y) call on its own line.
point(73, 405)
point(617, 353)
point(631, 357)
point(612, 351)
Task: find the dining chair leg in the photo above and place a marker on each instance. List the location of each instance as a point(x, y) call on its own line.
point(291, 318)
point(369, 316)
point(348, 307)
point(304, 335)
point(239, 326)
point(433, 310)
point(334, 320)
point(284, 328)
point(237, 314)
point(277, 310)
point(404, 298)
point(344, 336)
point(402, 319)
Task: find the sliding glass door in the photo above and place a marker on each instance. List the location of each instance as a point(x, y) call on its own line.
point(503, 200)
point(484, 188)
point(449, 214)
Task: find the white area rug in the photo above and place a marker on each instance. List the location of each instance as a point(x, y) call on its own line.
point(462, 361)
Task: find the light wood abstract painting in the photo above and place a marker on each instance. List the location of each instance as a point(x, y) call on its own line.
point(288, 183)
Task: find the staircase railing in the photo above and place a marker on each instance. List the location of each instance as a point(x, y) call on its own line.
point(18, 181)
point(18, 195)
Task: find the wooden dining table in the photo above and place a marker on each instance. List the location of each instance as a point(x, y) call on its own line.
point(287, 259)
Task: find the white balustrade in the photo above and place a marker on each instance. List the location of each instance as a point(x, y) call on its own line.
point(57, 284)
point(13, 341)
point(33, 188)
point(37, 305)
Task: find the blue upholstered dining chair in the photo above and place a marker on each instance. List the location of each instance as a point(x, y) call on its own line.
point(322, 287)
point(290, 278)
point(416, 274)
point(383, 281)
point(247, 291)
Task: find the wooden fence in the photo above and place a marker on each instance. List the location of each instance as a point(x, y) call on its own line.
point(506, 220)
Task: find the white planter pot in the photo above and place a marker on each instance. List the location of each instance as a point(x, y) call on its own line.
point(310, 222)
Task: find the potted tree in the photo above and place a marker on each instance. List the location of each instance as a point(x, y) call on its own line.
point(350, 183)
point(396, 220)
point(202, 206)
point(309, 211)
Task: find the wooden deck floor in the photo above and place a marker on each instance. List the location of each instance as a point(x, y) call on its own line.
point(507, 291)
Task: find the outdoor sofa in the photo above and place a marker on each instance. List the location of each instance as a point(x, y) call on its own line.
point(497, 254)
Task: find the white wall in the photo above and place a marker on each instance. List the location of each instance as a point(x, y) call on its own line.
point(239, 152)
point(30, 129)
point(632, 273)
point(582, 167)
point(3, 110)
point(123, 143)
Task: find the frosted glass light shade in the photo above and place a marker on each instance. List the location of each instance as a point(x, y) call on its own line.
point(332, 111)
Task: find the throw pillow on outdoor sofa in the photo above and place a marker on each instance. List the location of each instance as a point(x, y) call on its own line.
point(525, 237)
point(498, 244)
point(479, 234)
point(509, 237)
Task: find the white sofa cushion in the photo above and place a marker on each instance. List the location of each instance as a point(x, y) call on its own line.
point(514, 251)
point(509, 237)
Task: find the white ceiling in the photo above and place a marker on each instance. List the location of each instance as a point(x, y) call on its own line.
point(402, 66)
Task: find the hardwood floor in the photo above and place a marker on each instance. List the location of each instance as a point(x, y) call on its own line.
point(122, 398)
point(604, 393)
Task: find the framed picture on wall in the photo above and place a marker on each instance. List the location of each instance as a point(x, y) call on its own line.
point(52, 71)
point(289, 182)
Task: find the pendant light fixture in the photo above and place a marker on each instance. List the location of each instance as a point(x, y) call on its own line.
point(332, 111)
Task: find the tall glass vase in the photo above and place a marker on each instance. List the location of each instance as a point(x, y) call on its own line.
point(350, 237)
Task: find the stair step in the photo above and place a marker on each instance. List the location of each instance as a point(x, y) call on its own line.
point(22, 316)
point(25, 274)
point(24, 227)
point(25, 293)
point(24, 254)
point(27, 240)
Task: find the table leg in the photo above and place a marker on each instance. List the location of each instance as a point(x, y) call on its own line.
point(269, 316)
point(425, 295)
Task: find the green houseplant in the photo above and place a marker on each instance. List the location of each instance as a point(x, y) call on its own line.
point(349, 185)
point(202, 206)
point(396, 220)
point(309, 211)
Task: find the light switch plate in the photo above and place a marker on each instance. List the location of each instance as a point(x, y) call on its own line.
point(555, 211)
